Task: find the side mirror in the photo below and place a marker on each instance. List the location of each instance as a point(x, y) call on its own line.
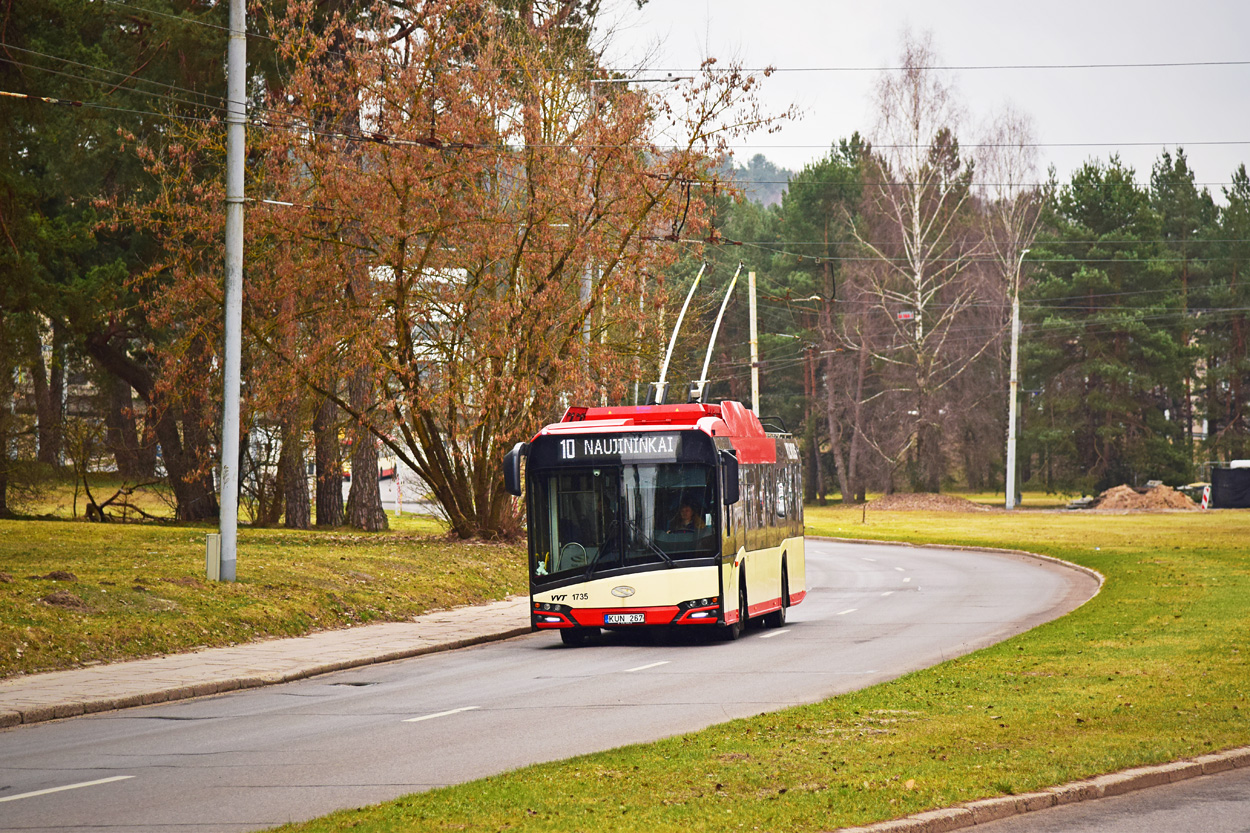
point(729, 478)
point(512, 468)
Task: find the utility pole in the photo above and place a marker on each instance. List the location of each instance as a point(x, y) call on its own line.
point(755, 346)
point(1014, 385)
point(236, 118)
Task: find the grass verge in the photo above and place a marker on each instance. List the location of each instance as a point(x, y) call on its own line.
point(1151, 670)
point(80, 593)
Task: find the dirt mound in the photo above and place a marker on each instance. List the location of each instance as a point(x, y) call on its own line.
point(66, 599)
point(925, 501)
point(1159, 497)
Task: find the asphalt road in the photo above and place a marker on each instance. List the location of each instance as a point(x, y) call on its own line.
point(254, 759)
point(1210, 804)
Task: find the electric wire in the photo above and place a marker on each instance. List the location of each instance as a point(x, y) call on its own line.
point(82, 103)
point(773, 69)
point(385, 138)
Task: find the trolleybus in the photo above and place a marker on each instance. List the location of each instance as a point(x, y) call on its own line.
point(667, 516)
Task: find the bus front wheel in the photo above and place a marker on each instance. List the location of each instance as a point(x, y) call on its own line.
point(577, 636)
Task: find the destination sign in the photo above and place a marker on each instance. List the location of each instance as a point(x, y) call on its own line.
point(625, 448)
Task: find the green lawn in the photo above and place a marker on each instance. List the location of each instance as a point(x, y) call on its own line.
point(140, 589)
point(1028, 500)
point(1153, 669)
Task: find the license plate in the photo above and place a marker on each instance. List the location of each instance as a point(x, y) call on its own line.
point(624, 618)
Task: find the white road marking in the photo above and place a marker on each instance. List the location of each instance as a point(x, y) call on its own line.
point(645, 667)
point(900, 569)
point(887, 593)
point(771, 634)
point(850, 610)
point(441, 714)
point(907, 579)
point(873, 560)
point(66, 787)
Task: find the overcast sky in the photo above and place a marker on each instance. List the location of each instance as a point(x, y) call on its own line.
point(1115, 108)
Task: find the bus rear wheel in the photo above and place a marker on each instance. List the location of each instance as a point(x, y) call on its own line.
point(732, 632)
point(777, 618)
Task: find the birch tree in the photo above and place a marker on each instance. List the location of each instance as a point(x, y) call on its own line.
point(917, 223)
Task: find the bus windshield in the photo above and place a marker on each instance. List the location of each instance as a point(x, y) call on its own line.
point(585, 520)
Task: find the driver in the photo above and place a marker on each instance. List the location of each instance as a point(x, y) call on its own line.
point(686, 519)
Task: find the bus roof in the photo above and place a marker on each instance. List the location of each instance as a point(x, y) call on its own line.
point(729, 419)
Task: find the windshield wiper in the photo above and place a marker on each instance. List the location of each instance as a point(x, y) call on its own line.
point(655, 549)
point(599, 548)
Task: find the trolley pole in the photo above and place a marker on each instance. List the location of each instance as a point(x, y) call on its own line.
point(236, 117)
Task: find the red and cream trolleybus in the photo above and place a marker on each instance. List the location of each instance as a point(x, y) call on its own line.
point(660, 516)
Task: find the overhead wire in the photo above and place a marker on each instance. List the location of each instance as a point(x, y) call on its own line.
point(773, 247)
point(380, 137)
point(980, 67)
point(95, 105)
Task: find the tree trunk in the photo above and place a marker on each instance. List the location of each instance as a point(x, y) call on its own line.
point(136, 460)
point(364, 500)
point(294, 477)
point(48, 397)
point(6, 395)
point(809, 428)
point(839, 456)
point(190, 477)
point(835, 429)
point(329, 469)
point(855, 464)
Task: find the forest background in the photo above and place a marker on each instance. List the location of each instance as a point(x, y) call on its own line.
point(460, 222)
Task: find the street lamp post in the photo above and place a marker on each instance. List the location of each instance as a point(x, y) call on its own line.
point(1014, 385)
point(221, 563)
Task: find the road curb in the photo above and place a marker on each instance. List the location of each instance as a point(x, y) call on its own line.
point(1103, 786)
point(1080, 568)
point(40, 713)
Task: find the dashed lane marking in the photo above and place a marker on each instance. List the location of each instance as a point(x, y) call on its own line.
point(645, 667)
point(441, 714)
point(66, 787)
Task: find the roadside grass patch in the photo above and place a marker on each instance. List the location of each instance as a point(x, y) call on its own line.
point(1151, 670)
point(141, 588)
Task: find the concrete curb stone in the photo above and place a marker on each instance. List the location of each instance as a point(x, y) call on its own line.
point(1103, 786)
point(991, 809)
point(58, 695)
point(1080, 568)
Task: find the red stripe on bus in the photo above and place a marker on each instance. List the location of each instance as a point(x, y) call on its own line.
point(764, 607)
point(593, 616)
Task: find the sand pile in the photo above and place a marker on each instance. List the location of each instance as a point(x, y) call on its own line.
point(1160, 497)
point(926, 501)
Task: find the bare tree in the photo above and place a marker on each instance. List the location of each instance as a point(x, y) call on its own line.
point(917, 222)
